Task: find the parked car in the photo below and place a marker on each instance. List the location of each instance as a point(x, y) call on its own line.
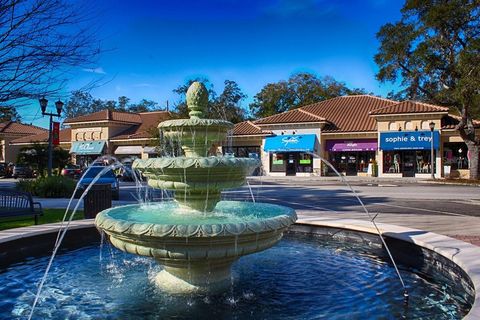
point(20, 171)
point(3, 169)
point(107, 177)
point(72, 170)
point(128, 173)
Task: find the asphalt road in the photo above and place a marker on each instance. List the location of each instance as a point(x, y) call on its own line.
point(386, 197)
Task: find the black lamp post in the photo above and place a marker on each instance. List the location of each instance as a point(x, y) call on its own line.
point(43, 106)
point(432, 127)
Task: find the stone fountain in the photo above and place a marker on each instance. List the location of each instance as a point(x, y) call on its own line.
point(197, 237)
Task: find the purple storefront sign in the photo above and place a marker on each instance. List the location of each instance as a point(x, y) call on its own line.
point(352, 145)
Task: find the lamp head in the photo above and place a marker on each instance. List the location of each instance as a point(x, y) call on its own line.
point(43, 104)
point(59, 106)
point(431, 125)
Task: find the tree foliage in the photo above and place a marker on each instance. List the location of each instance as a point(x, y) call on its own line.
point(299, 90)
point(40, 42)
point(272, 99)
point(228, 104)
point(81, 103)
point(143, 106)
point(37, 157)
point(9, 114)
point(433, 52)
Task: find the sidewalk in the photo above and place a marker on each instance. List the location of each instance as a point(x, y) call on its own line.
point(465, 228)
point(61, 203)
point(320, 179)
point(356, 180)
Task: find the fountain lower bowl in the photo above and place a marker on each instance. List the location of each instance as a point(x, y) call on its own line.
point(197, 249)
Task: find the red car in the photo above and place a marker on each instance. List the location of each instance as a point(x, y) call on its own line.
point(72, 171)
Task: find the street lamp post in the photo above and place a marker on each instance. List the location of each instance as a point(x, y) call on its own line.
point(432, 159)
point(43, 106)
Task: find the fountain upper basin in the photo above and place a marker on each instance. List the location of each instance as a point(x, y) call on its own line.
point(198, 180)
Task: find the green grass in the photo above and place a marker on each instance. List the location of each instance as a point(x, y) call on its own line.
point(49, 216)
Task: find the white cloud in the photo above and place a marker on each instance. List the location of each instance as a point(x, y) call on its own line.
point(98, 70)
point(144, 85)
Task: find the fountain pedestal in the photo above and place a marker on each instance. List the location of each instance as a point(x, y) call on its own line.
point(200, 200)
point(198, 277)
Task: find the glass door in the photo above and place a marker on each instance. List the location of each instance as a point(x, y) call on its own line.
point(291, 164)
point(409, 161)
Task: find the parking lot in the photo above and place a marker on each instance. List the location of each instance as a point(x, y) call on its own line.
point(448, 209)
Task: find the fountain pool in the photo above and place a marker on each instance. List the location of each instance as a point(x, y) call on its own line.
point(300, 278)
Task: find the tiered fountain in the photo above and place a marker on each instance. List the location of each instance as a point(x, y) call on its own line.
point(197, 237)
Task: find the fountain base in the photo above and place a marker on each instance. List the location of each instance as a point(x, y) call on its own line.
point(197, 278)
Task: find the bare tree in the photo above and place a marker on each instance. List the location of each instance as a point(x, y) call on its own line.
point(40, 42)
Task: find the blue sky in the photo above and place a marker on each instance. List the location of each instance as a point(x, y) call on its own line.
point(154, 46)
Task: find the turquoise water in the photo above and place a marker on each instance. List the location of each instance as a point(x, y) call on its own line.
point(303, 277)
point(170, 212)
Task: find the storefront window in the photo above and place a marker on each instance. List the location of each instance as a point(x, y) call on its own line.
point(423, 161)
point(278, 162)
point(455, 155)
point(351, 163)
point(407, 162)
point(388, 162)
point(305, 162)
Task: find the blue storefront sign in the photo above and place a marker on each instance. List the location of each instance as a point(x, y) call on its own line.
point(409, 140)
point(291, 143)
point(87, 147)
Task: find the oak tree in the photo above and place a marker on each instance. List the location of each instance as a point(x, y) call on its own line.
point(41, 41)
point(433, 52)
point(299, 90)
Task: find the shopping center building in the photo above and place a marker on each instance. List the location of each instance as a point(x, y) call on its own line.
point(10, 131)
point(125, 135)
point(357, 135)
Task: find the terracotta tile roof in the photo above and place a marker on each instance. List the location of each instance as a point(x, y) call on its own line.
point(107, 115)
point(348, 113)
point(149, 122)
point(246, 128)
point(409, 106)
point(450, 121)
point(16, 128)
point(65, 137)
point(292, 116)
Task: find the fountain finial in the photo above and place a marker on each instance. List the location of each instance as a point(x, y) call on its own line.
point(197, 99)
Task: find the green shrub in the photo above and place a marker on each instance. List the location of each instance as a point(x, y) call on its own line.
point(27, 185)
point(48, 187)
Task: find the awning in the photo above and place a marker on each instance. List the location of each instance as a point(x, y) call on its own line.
point(150, 150)
point(129, 150)
point(87, 147)
point(291, 143)
point(351, 145)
